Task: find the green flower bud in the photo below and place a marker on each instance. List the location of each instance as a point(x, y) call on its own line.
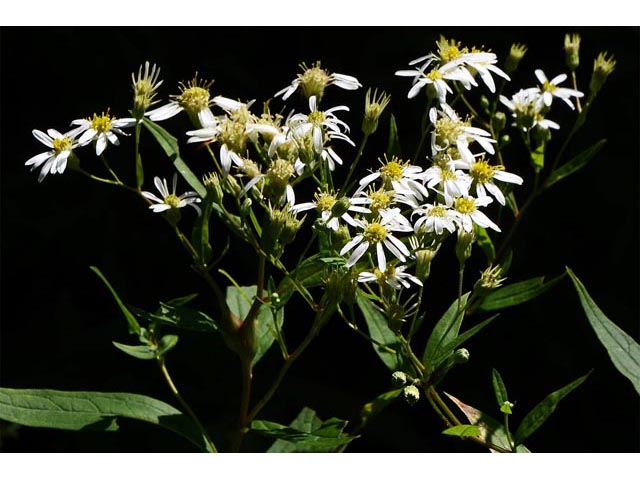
point(373, 108)
point(340, 207)
point(461, 356)
point(212, 184)
point(144, 89)
point(516, 53)
point(484, 103)
point(277, 178)
point(464, 245)
point(399, 379)
point(411, 394)
point(602, 68)
point(340, 237)
point(498, 121)
point(489, 280)
point(572, 50)
point(424, 257)
point(505, 140)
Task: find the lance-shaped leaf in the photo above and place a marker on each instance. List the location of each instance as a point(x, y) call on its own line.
point(134, 326)
point(141, 352)
point(486, 245)
point(375, 406)
point(180, 316)
point(447, 350)
point(93, 411)
point(575, 163)
point(307, 274)
point(492, 432)
point(444, 333)
point(539, 414)
point(387, 347)
point(200, 233)
point(463, 431)
point(169, 144)
point(623, 350)
point(499, 388)
point(517, 293)
point(393, 147)
point(307, 433)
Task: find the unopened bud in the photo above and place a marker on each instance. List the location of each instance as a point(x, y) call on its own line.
point(424, 257)
point(373, 108)
point(144, 89)
point(341, 237)
point(461, 356)
point(484, 103)
point(505, 140)
point(464, 245)
point(602, 68)
point(489, 280)
point(399, 379)
point(212, 184)
point(340, 207)
point(572, 50)
point(516, 53)
point(498, 121)
point(411, 394)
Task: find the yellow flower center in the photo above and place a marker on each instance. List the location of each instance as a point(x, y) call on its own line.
point(61, 144)
point(316, 118)
point(449, 53)
point(250, 168)
point(375, 233)
point(437, 211)
point(233, 135)
point(314, 80)
point(379, 199)
point(434, 75)
point(172, 200)
point(280, 172)
point(448, 130)
point(465, 205)
point(325, 202)
point(102, 123)
point(447, 174)
point(548, 87)
point(392, 171)
point(382, 276)
point(482, 172)
point(194, 98)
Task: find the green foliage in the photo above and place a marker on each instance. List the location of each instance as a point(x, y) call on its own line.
point(200, 233)
point(623, 350)
point(539, 414)
point(92, 411)
point(179, 316)
point(375, 406)
point(517, 293)
point(393, 147)
point(134, 326)
point(309, 273)
point(388, 346)
point(141, 352)
point(444, 333)
point(307, 433)
point(486, 245)
point(463, 431)
point(575, 164)
point(537, 157)
point(169, 144)
point(499, 388)
point(446, 350)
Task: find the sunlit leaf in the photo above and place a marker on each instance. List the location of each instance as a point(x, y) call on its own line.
point(141, 352)
point(375, 406)
point(463, 431)
point(517, 293)
point(444, 333)
point(393, 146)
point(499, 388)
point(575, 163)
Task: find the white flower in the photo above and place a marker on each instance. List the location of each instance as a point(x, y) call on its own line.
point(54, 160)
point(405, 180)
point(170, 200)
point(395, 277)
point(315, 79)
point(484, 64)
point(453, 183)
point(102, 129)
point(550, 89)
point(483, 176)
point(451, 131)
point(525, 107)
point(327, 204)
point(435, 218)
point(438, 77)
point(379, 233)
point(467, 213)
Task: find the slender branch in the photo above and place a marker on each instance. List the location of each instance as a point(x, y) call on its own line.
point(139, 169)
point(185, 405)
point(352, 169)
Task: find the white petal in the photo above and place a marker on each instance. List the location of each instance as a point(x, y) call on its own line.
point(43, 138)
point(382, 260)
point(357, 254)
point(101, 144)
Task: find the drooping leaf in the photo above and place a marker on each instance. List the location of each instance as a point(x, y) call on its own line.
point(134, 326)
point(141, 352)
point(499, 388)
point(393, 147)
point(444, 333)
point(169, 144)
point(486, 245)
point(375, 406)
point(491, 431)
point(623, 350)
point(539, 414)
point(389, 346)
point(575, 164)
point(182, 317)
point(517, 293)
point(92, 411)
point(307, 433)
point(448, 349)
point(166, 343)
point(463, 431)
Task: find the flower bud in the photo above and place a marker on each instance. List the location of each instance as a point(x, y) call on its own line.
point(572, 50)
point(464, 245)
point(424, 257)
point(212, 184)
point(489, 280)
point(498, 121)
point(340, 237)
point(277, 178)
point(272, 229)
point(340, 207)
point(144, 89)
point(505, 140)
point(411, 394)
point(461, 356)
point(399, 379)
point(484, 103)
point(516, 53)
point(290, 229)
point(373, 108)
point(602, 68)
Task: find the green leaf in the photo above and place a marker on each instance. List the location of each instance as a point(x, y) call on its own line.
point(539, 414)
point(309, 273)
point(375, 406)
point(389, 348)
point(170, 146)
point(517, 293)
point(491, 431)
point(92, 411)
point(307, 433)
point(182, 317)
point(486, 245)
point(447, 350)
point(575, 164)
point(167, 342)
point(393, 147)
point(134, 326)
point(142, 352)
point(623, 350)
point(510, 200)
point(444, 333)
point(499, 388)
point(505, 264)
point(181, 301)
point(200, 233)
point(463, 431)
point(537, 158)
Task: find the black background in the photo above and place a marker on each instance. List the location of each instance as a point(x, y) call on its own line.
point(58, 320)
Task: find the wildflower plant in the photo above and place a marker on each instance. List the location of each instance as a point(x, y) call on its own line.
point(349, 232)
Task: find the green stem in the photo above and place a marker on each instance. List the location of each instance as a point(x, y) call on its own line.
point(352, 169)
point(506, 428)
point(139, 169)
point(460, 282)
point(185, 405)
point(113, 174)
point(415, 315)
point(420, 368)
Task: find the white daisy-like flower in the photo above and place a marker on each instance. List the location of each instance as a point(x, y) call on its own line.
point(438, 77)
point(484, 64)
point(450, 131)
point(379, 234)
point(550, 89)
point(452, 183)
point(54, 160)
point(402, 177)
point(101, 129)
point(483, 176)
point(467, 213)
point(169, 200)
point(525, 106)
point(395, 277)
point(435, 218)
point(332, 209)
point(314, 80)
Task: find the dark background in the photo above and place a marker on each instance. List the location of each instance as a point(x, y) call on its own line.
point(58, 320)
